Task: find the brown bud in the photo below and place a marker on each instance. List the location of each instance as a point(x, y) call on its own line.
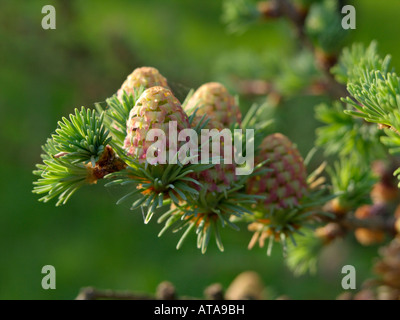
point(329, 232)
point(383, 193)
point(246, 286)
point(336, 207)
point(269, 9)
point(166, 291)
point(363, 212)
point(345, 296)
point(367, 237)
point(387, 293)
point(397, 225)
point(366, 294)
point(214, 292)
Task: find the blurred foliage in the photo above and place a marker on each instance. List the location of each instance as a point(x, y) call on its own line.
point(47, 73)
point(352, 179)
point(323, 26)
point(303, 256)
point(342, 135)
point(355, 60)
point(239, 14)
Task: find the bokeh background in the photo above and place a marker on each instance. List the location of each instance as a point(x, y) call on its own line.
point(45, 74)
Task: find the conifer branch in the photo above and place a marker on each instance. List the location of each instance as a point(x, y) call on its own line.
point(324, 62)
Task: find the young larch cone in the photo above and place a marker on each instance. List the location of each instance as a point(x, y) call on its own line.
point(146, 77)
point(220, 109)
point(155, 108)
point(214, 100)
point(220, 177)
point(286, 183)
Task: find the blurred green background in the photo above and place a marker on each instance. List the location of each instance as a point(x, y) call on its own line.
point(45, 74)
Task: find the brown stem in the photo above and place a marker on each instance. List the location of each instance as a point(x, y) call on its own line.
point(395, 130)
point(345, 219)
point(374, 223)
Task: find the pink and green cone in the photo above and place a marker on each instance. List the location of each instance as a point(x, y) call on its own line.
point(212, 206)
point(286, 183)
point(219, 107)
point(155, 108)
point(213, 100)
point(220, 177)
point(146, 77)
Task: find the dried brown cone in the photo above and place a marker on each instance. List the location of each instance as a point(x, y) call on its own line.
point(388, 267)
point(108, 163)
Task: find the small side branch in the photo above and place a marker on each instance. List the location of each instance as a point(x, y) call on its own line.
point(165, 291)
point(90, 293)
